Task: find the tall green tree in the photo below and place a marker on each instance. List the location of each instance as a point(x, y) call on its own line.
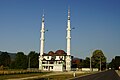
point(33, 59)
point(75, 63)
point(21, 61)
point(112, 64)
point(5, 59)
point(87, 62)
point(97, 58)
point(117, 62)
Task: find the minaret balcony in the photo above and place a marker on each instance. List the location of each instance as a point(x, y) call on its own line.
point(68, 37)
point(68, 29)
point(42, 39)
point(68, 17)
point(43, 31)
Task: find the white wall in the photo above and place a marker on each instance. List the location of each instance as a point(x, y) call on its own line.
point(57, 57)
point(58, 67)
point(88, 69)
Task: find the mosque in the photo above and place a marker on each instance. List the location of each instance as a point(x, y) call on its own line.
point(59, 60)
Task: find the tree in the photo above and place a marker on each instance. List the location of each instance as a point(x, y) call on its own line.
point(34, 62)
point(81, 65)
point(5, 59)
point(76, 63)
point(112, 64)
point(117, 62)
point(21, 61)
point(98, 58)
point(85, 63)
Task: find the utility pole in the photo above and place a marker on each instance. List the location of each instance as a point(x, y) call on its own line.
point(90, 62)
point(100, 63)
point(29, 64)
point(106, 63)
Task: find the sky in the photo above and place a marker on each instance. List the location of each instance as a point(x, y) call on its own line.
point(96, 22)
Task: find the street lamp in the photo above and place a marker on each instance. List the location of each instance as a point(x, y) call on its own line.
point(29, 64)
point(90, 62)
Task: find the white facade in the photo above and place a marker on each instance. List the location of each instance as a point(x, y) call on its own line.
point(57, 64)
point(56, 57)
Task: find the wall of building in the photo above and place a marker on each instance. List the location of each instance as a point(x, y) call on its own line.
point(56, 57)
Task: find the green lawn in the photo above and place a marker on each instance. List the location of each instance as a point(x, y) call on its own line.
point(61, 76)
point(43, 75)
point(12, 76)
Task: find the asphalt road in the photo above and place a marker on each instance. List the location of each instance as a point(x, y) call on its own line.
point(106, 75)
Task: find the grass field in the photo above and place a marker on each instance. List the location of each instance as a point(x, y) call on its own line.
point(61, 76)
point(11, 74)
point(44, 75)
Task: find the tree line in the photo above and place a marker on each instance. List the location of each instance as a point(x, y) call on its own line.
point(97, 60)
point(115, 63)
point(20, 62)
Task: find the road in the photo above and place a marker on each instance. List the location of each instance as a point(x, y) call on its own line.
point(106, 75)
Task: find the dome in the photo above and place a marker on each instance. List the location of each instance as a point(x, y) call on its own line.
point(51, 53)
point(60, 52)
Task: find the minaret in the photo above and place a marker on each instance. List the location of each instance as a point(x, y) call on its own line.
point(42, 39)
point(68, 33)
point(68, 57)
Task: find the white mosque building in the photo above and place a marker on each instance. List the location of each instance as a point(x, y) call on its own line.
point(58, 61)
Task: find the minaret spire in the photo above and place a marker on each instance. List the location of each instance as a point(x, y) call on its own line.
point(68, 33)
point(68, 13)
point(42, 39)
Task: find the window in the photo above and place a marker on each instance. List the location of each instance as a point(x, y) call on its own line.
point(46, 67)
point(51, 62)
point(43, 62)
point(60, 57)
point(51, 67)
point(59, 62)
